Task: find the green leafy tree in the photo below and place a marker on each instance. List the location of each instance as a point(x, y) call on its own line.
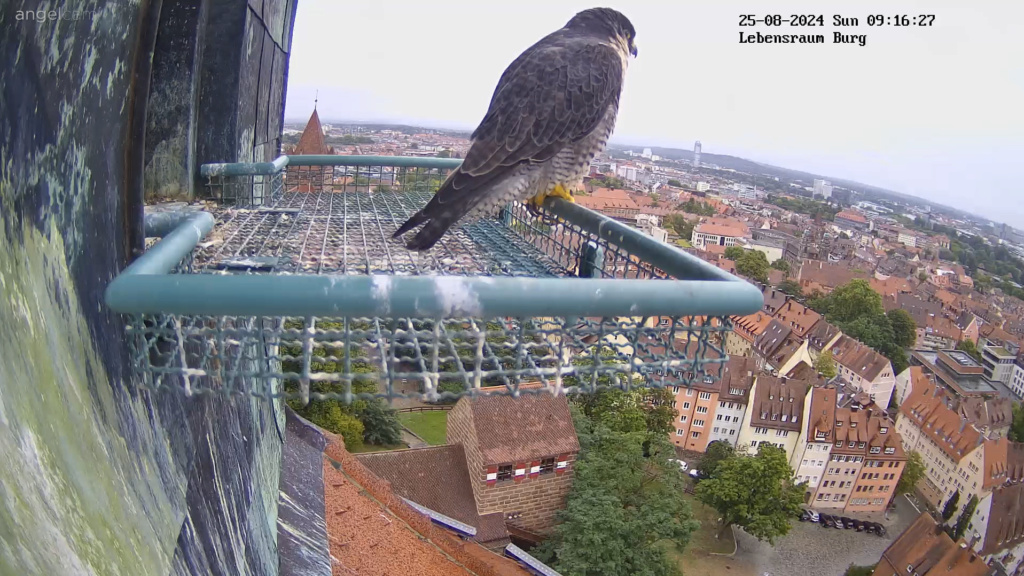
point(903, 326)
point(330, 416)
point(826, 365)
point(716, 453)
point(612, 182)
point(854, 570)
point(791, 287)
point(853, 300)
point(965, 518)
point(913, 471)
point(734, 252)
point(950, 508)
point(753, 264)
point(857, 310)
point(641, 410)
point(679, 223)
point(380, 422)
point(695, 207)
point(1017, 427)
point(444, 153)
point(758, 494)
point(969, 347)
point(624, 501)
point(675, 183)
point(781, 264)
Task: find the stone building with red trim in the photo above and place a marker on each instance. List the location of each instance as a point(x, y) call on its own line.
point(506, 471)
point(520, 453)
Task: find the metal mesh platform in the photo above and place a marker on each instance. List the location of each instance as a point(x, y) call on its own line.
point(300, 291)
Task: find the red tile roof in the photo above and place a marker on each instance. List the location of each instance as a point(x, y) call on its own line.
point(521, 429)
point(859, 358)
point(778, 402)
point(798, 317)
point(852, 216)
point(437, 478)
point(926, 407)
point(1006, 522)
point(924, 548)
point(312, 139)
point(373, 532)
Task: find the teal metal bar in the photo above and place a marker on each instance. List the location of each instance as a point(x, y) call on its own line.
point(672, 260)
point(166, 254)
point(160, 224)
point(147, 290)
point(384, 161)
point(244, 168)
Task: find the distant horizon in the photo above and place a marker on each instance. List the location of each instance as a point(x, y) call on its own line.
point(624, 142)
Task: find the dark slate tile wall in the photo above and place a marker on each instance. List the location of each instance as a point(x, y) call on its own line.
point(146, 483)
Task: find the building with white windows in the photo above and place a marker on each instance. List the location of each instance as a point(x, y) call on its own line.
point(774, 414)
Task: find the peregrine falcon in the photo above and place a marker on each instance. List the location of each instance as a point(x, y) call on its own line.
point(551, 113)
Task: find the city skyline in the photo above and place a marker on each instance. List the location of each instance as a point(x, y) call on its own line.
point(917, 110)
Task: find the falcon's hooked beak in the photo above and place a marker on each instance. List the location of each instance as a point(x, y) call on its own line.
point(632, 48)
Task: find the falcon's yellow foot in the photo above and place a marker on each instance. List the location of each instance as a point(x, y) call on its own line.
point(560, 192)
point(557, 192)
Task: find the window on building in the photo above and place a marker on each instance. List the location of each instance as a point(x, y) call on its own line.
point(702, 409)
point(683, 418)
point(704, 395)
point(689, 391)
point(695, 434)
point(675, 389)
point(686, 405)
point(505, 472)
point(547, 465)
point(698, 423)
point(890, 450)
point(875, 450)
point(679, 432)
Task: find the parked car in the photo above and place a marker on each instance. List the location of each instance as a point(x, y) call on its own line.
point(847, 522)
point(694, 473)
point(858, 525)
point(814, 516)
point(682, 465)
point(805, 516)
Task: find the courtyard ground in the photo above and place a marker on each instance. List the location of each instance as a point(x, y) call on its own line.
point(807, 549)
point(430, 426)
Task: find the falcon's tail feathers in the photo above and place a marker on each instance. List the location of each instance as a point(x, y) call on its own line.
point(414, 221)
point(432, 232)
point(437, 221)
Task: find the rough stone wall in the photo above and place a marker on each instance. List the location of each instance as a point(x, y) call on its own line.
point(460, 430)
point(535, 500)
point(219, 77)
point(99, 476)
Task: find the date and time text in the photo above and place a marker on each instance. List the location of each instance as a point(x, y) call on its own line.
point(810, 21)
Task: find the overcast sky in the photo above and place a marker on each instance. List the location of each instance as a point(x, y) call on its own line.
point(935, 112)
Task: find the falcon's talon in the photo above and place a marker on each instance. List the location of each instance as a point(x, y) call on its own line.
point(560, 192)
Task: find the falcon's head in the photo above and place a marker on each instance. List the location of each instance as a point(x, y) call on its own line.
point(606, 21)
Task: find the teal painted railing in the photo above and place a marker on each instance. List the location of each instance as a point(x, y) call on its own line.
point(505, 290)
